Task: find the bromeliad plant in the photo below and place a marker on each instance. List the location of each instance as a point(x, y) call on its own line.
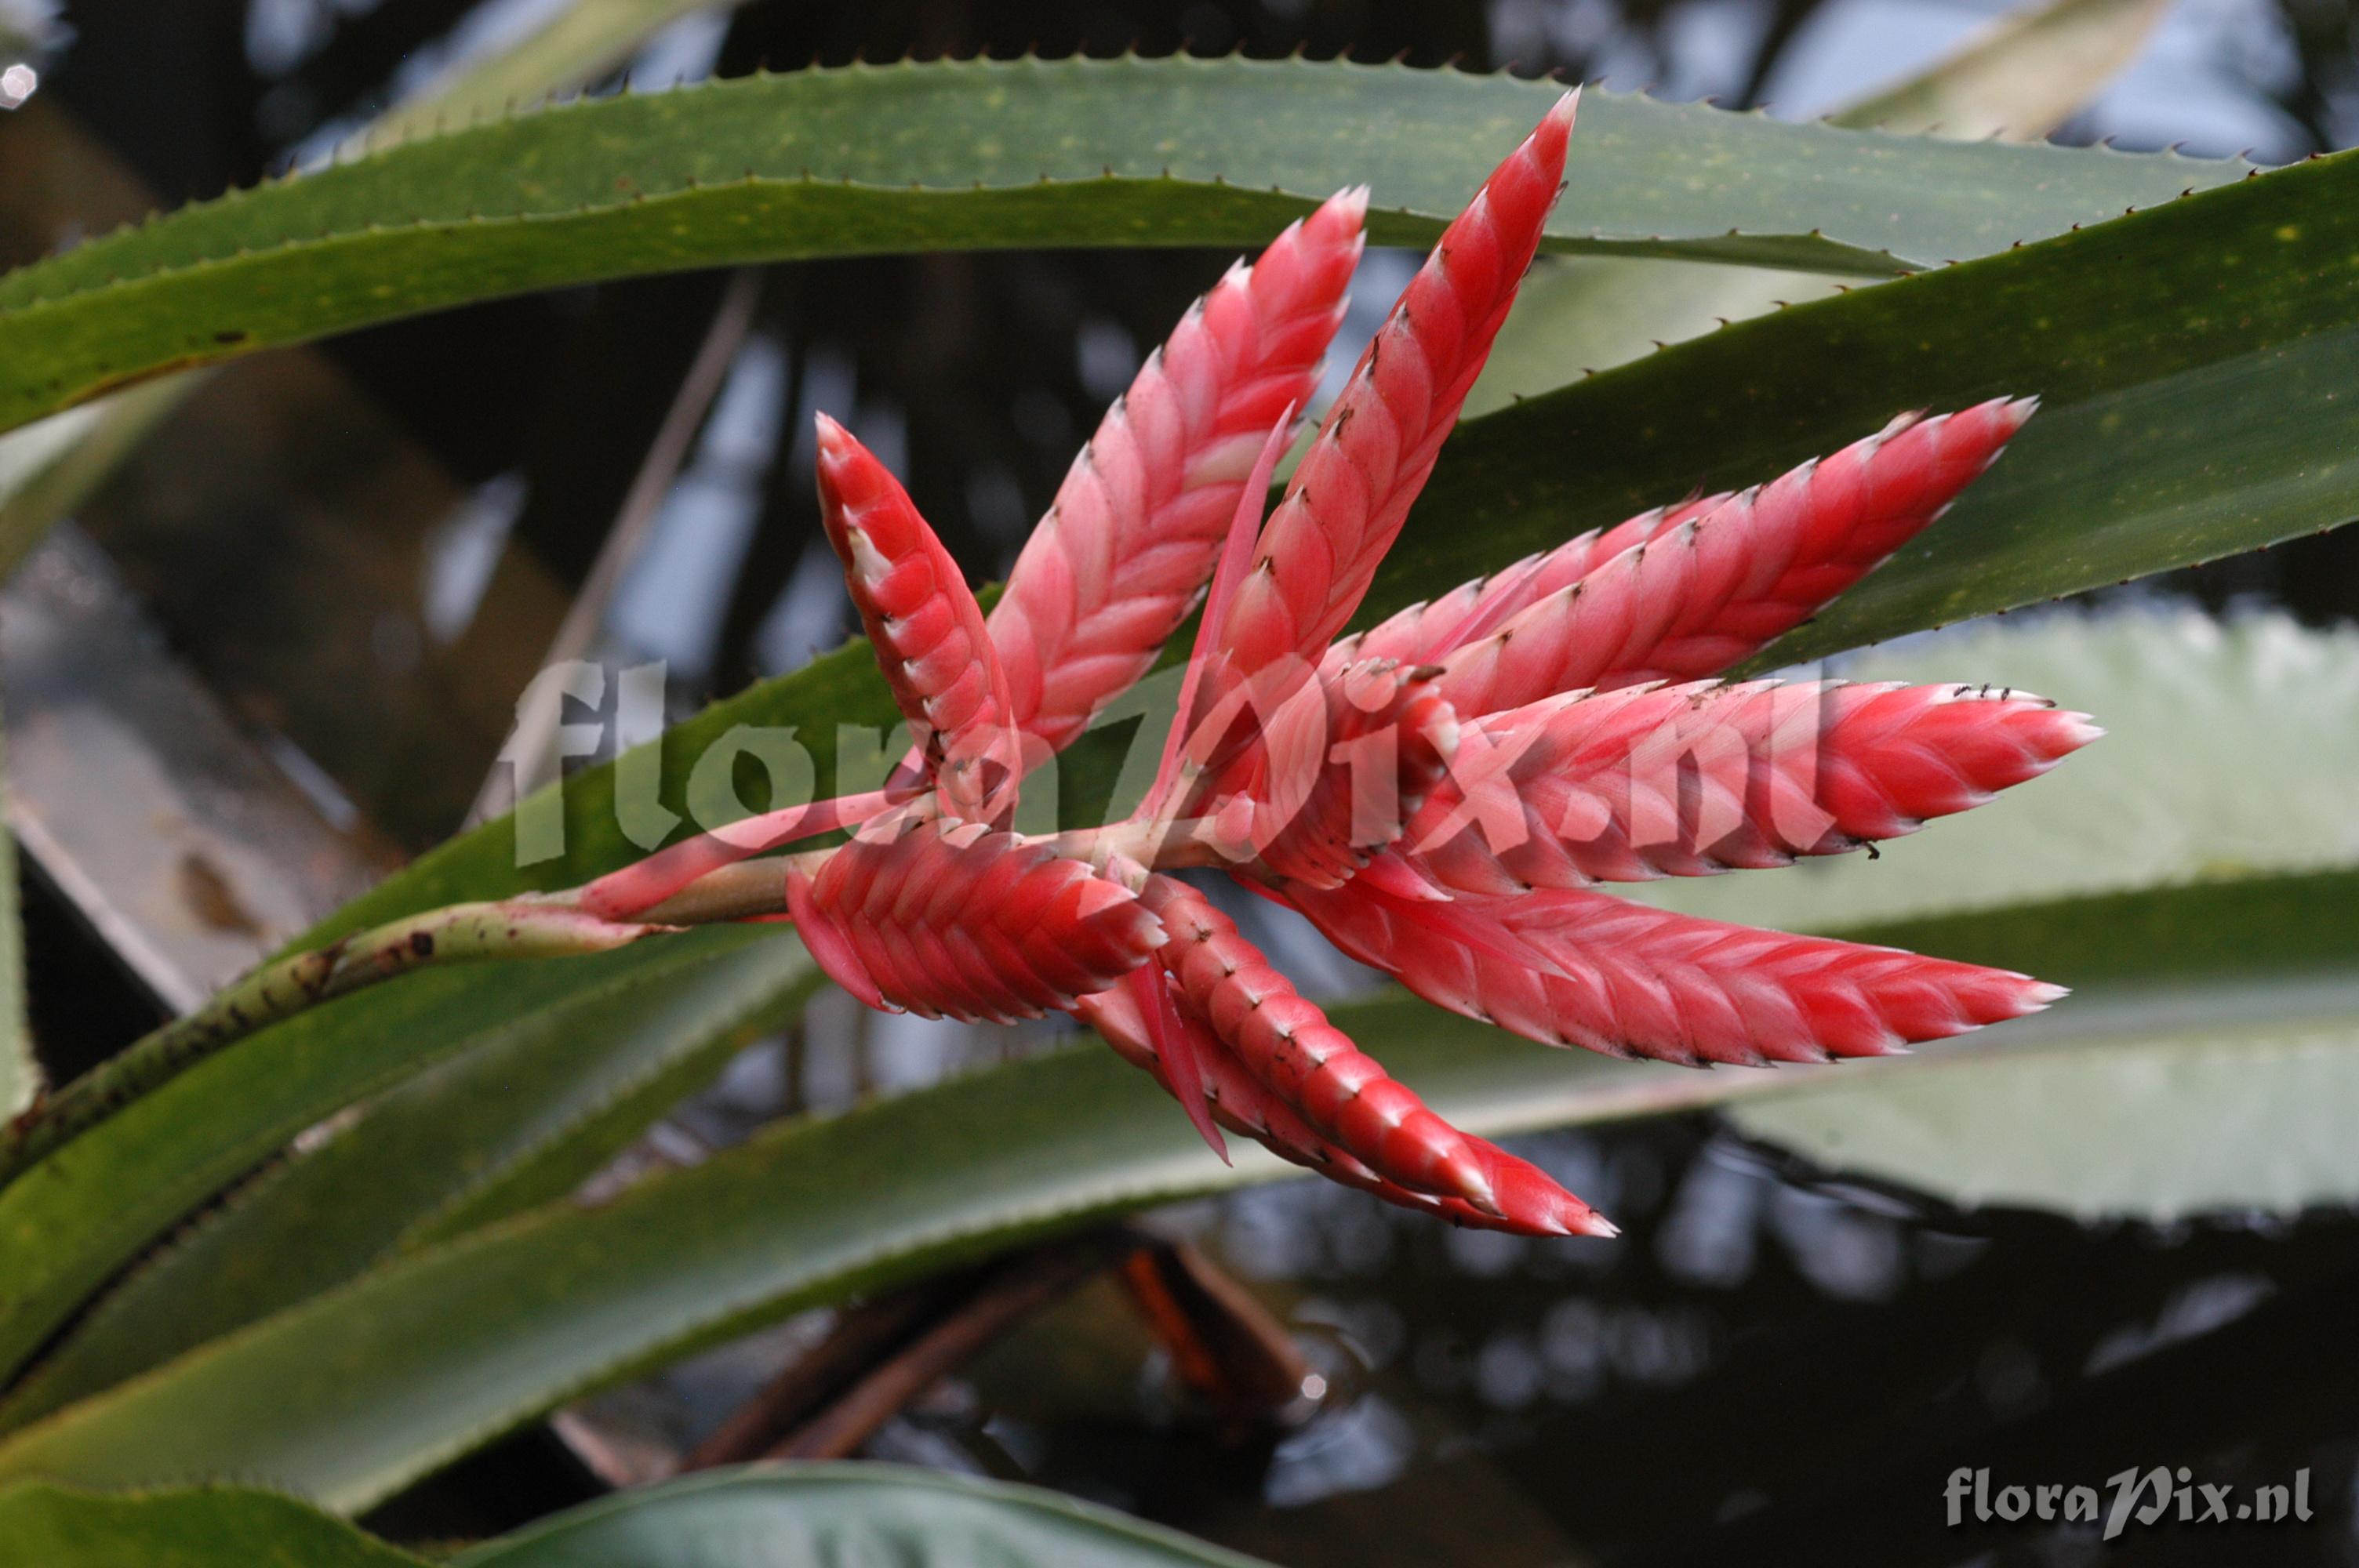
point(1438, 795)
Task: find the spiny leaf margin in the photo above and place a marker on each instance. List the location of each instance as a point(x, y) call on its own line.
point(850, 161)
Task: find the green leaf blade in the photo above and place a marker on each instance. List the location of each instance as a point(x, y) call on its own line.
point(954, 155)
point(2197, 364)
point(74, 1220)
point(228, 1527)
point(521, 1114)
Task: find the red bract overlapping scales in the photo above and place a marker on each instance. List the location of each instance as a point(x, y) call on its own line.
point(1438, 795)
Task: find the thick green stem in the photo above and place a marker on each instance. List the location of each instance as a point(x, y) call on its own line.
point(464, 933)
point(528, 926)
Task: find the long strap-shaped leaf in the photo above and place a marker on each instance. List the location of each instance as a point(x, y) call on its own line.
point(2187, 410)
point(379, 1383)
point(214, 1528)
point(960, 155)
point(76, 1218)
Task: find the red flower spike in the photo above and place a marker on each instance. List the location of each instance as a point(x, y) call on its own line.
point(1288, 1043)
point(1245, 527)
point(1113, 568)
point(1694, 780)
point(960, 921)
point(928, 629)
point(829, 947)
point(1627, 980)
point(1530, 1203)
point(1711, 590)
point(1474, 610)
point(1384, 745)
point(1547, 751)
point(1349, 496)
point(1176, 1048)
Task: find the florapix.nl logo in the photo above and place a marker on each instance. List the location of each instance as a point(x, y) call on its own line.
point(2148, 1497)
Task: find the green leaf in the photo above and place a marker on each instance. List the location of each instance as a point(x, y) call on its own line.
point(521, 1118)
point(849, 1514)
point(223, 1528)
point(960, 154)
point(419, 1361)
point(75, 1218)
point(2020, 80)
point(47, 470)
point(2252, 1112)
point(2205, 421)
point(2197, 364)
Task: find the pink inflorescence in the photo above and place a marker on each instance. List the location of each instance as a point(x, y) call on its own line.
point(1440, 795)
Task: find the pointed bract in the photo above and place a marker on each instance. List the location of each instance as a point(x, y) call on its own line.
point(1287, 1043)
point(1472, 611)
point(1349, 495)
point(927, 627)
point(1712, 589)
point(1113, 568)
point(1692, 779)
point(1627, 980)
point(955, 920)
point(1530, 1203)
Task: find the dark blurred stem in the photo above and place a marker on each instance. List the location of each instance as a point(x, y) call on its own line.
point(888, 1351)
point(1226, 1347)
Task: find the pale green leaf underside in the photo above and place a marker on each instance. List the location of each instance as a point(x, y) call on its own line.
point(2250, 1113)
point(2229, 752)
point(960, 154)
point(846, 1514)
point(2206, 855)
